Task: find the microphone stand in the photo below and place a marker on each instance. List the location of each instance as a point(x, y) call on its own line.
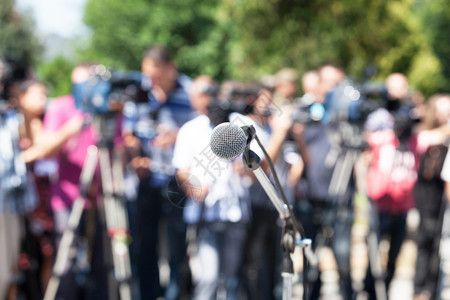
point(290, 224)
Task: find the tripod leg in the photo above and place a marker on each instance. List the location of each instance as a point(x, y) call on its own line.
point(342, 173)
point(62, 256)
point(116, 223)
point(374, 257)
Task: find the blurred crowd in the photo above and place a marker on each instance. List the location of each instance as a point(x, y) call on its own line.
point(198, 226)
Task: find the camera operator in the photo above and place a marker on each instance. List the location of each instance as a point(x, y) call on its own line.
point(217, 200)
point(150, 128)
point(327, 217)
point(67, 139)
point(391, 173)
point(39, 146)
point(37, 247)
point(286, 86)
point(399, 102)
point(262, 265)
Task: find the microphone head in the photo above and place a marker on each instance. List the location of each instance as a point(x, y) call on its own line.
point(228, 141)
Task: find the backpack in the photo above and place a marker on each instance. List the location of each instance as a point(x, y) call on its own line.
point(392, 173)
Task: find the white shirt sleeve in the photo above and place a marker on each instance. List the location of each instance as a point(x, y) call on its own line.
point(184, 152)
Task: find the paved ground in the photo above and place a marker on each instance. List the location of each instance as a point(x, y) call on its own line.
point(402, 284)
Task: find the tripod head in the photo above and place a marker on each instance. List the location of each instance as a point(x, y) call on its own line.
point(107, 127)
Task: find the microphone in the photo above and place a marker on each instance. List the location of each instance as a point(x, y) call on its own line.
point(228, 140)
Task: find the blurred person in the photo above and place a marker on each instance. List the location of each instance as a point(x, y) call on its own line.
point(37, 247)
point(17, 190)
point(38, 145)
point(392, 174)
point(402, 104)
point(168, 86)
point(325, 209)
point(419, 105)
point(329, 76)
point(310, 86)
point(263, 255)
point(397, 86)
point(430, 199)
point(286, 87)
point(67, 138)
point(150, 129)
point(217, 201)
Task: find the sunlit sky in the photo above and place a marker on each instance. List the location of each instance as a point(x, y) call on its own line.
point(61, 17)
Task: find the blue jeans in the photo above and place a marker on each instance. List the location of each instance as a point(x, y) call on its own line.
point(220, 255)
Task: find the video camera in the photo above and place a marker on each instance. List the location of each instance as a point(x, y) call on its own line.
point(7, 70)
point(375, 95)
point(230, 97)
point(106, 90)
point(353, 102)
point(306, 110)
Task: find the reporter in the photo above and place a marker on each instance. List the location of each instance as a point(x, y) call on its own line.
point(37, 243)
point(150, 128)
point(68, 142)
point(217, 202)
point(430, 193)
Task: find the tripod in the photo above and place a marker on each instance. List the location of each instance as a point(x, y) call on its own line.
point(114, 209)
point(350, 137)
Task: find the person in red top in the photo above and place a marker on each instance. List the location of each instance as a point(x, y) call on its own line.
point(391, 176)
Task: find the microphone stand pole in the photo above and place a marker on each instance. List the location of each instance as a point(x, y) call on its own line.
point(288, 240)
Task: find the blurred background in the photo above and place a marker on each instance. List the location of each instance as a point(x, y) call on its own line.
point(234, 39)
point(247, 40)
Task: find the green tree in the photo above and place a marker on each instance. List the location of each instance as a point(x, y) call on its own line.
point(435, 26)
point(303, 34)
point(121, 34)
point(55, 74)
point(249, 39)
point(17, 39)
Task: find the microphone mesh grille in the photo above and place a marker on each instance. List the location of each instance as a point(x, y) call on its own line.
point(228, 141)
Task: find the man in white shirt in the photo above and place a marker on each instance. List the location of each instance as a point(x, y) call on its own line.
point(217, 200)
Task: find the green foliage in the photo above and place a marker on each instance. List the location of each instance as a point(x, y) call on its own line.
point(249, 39)
point(304, 34)
point(17, 39)
point(435, 24)
point(121, 35)
point(55, 74)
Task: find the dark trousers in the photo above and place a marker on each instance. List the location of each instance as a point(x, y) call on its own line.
point(428, 260)
point(394, 227)
point(328, 224)
point(262, 265)
point(147, 213)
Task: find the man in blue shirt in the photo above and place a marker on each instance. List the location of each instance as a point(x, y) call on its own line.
point(150, 129)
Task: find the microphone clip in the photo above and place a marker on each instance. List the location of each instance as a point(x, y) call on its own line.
point(250, 158)
point(250, 132)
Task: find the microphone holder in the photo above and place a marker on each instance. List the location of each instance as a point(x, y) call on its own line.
point(290, 228)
